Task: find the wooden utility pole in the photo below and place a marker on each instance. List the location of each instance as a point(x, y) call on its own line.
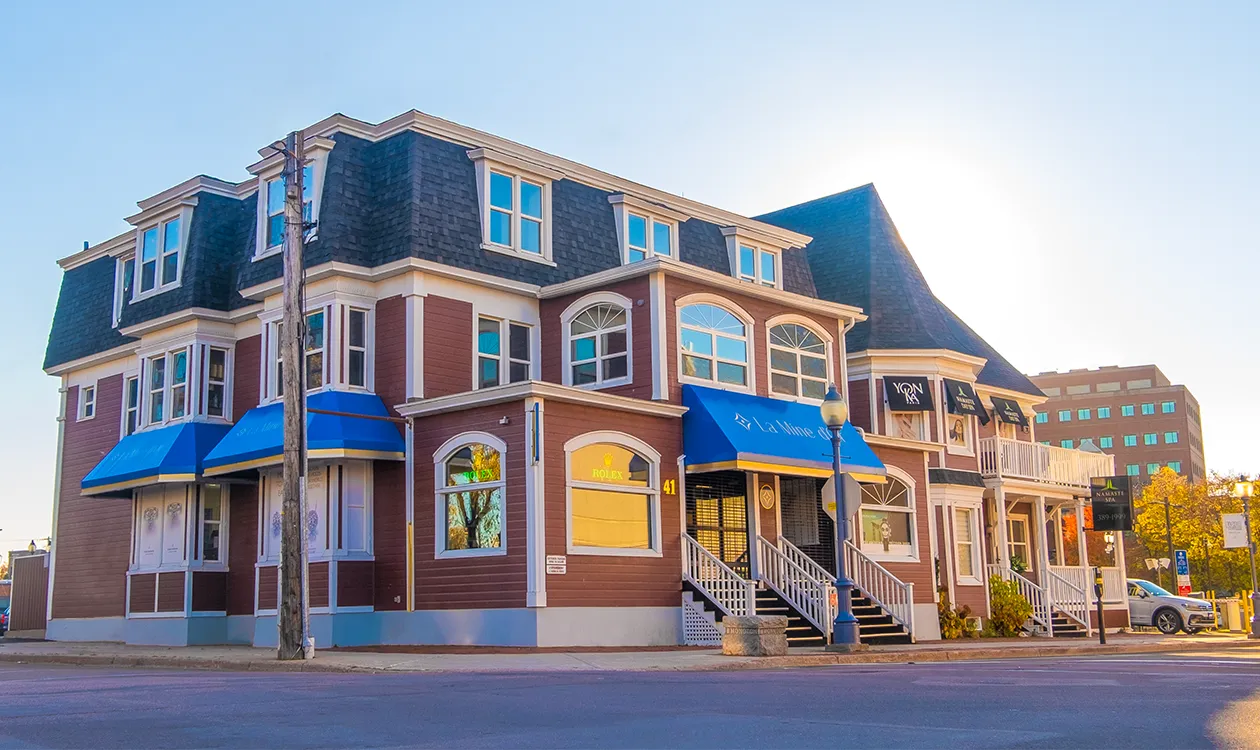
point(292, 613)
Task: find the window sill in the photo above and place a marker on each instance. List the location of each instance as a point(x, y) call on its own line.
point(682, 379)
point(796, 399)
point(141, 296)
point(85, 419)
point(890, 557)
point(969, 581)
point(612, 552)
point(958, 450)
point(602, 385)
point(470, 553)
point(267, 253)
point(521, 254)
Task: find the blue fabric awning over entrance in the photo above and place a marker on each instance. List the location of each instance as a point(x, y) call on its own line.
point(168, 454)
point(729, 430)
point(258, 438)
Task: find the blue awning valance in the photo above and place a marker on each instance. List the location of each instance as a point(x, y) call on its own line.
point(728, 430)
point(258, 438)
point(167, 454)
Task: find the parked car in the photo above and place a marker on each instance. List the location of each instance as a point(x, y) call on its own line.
point(1151, 605)
point(4, 619)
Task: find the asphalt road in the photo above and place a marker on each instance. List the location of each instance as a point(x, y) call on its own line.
point(1155, 701)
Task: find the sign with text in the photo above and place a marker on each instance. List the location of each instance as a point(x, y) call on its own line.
point(1111, 503)
point(962, 399)
point(1183, 571)
point(557, 565)
point(1235, 527)
point(907, 393)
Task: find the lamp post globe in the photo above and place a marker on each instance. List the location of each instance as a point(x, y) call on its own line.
point(844, 629)
point(1243, 491)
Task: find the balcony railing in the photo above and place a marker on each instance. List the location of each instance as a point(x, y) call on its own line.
point(1017, 459)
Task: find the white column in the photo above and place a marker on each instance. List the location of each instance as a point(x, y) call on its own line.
point(1120, 562)
point(1004, 550)
point(535, 507)
point(1043, 544)
point(1082, 551)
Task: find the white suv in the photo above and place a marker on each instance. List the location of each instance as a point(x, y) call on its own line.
point(1151, 605)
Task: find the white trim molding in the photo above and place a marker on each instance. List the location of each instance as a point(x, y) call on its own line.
point(550, 391)
point(441, 489)
point(567, 317)
point(652, 491)
point(706, 298)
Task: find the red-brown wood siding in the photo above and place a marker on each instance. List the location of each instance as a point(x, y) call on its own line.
point(355, 585)
point(242, 547)
point(605, 581)
point(767, 518)
point(245, 364)
point(143, 591)
point(209, 591)
point(860, 403)
point(919, 573)
point(761, 310)
point(93, 533)
point(1114, 618)
point(391, 352)
point(389, 539)
point(317, 583)
point(470, 582)
point(171, 592)
point(448, 346)
point(638, 291)
point(29, 593)
point(267, 587)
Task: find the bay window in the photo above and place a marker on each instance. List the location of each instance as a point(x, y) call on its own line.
point(131, 404)
point(356, 348)
point(157, 389)
point(887, 519)
point(216, 382)
point(179, 383)
point(338, 520)
point(191, 380)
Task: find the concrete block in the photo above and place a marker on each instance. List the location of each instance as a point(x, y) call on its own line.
point(755, 636)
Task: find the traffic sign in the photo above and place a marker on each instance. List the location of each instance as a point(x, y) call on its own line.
point(1183, 572)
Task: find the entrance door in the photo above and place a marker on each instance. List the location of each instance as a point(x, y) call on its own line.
point(1017, 539)
point(805, 524)
point(717, 516)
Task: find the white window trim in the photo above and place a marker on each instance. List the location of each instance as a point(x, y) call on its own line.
point(735, 237)
point(369, 339)
point(84, 390)
point(652, 491)
point(203, 393)
point(977, 543)
point(925, 425)
point(518, 169)
point(195, 560)
point(317, 156)
point(440, 456)
point(196, 345)
point(184, 213)
point(912, 511)
point(191, 384)
point(1011, 519)
point(970, 428)
point(567, 317)
point(505, 349)
point(122, 421)
point(750, 339)
point(818, 331)
point(272, 354)
point(120, 298)
point(624, 205)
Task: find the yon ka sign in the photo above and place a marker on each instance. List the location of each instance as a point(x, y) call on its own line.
point(1111, 500)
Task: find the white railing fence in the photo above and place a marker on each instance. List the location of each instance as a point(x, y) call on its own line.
point(799, 587)
point(735, 595)
point(1019, 459)
point(1069, 598)
point(1114, 588)
point(1035, 595)
point(883, 588)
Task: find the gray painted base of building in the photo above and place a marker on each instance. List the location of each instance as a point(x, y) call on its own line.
point(545, 626)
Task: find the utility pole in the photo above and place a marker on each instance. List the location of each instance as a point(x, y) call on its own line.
point(1172, 557)
point(293, 614)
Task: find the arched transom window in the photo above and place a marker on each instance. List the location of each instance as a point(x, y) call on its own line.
point(887, 518)
point(714, 345)
point(598, 351)
point(470, 501)
point(612, 500)
point(798, 362)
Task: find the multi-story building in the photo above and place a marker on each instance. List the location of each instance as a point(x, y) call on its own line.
point(1134, 413)
point(601, 404)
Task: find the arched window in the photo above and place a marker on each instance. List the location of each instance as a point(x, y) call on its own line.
point(798, 362)
point(598, 345)
point(887, 518)
point(714, 345)
point(470, 490)
point(613, 502)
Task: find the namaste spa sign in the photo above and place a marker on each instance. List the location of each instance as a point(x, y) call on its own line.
point(780, 426)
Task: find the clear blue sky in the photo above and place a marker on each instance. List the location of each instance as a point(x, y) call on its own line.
point(1079, 183)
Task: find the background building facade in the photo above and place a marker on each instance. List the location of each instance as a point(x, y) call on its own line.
point(1134, 413)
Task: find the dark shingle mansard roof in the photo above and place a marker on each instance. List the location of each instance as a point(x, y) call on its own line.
point(858, 258)
point(409, 195)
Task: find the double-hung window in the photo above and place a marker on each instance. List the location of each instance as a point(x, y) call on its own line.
point(1104, 412)
point(758, 265)
point(1082, 414)
point(356, 348)
point(1130, 441)
point(1150, 438)
point(157, 389)
point(167, 386)
point(179, 383)
point(312, 356)
point(210, 537)
point(1148, 409)
point(495, 365)
point(216, 382)
point(1168, 407)
point(1126, 410)
point(1133, 470)
point(599, 345)
point(965, 545)
point(87, 402)
point(516, 213)
point(1105, 442)
point(275, 207)
point(1043, 417)
point(1171, 437)
point(1065, 415)
point(646, 237)
point(131, 405)
point(160, 256)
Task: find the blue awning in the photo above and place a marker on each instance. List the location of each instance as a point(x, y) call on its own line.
point(728, 430)
point(258, 438)
point(167, 454)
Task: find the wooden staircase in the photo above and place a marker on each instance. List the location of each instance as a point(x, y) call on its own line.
point(1062, 626)
point(875, 626)
point(800, 631)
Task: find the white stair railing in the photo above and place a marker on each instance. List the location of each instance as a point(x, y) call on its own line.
point(796, 585)
point(1068, 598)
point(1035, 595)
point(881, 586)
point(732, 593)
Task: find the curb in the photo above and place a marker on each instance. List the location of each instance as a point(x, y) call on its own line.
point(732, 664)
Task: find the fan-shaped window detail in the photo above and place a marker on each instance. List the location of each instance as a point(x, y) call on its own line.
point(887, 518)
point(599, 346)
point(714, 345)
point(798, 362)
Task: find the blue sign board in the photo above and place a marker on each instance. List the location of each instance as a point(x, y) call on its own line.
point(1183, 563)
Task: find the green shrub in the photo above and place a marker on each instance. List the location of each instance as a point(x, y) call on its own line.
point(1008, 609)
point(954, 621)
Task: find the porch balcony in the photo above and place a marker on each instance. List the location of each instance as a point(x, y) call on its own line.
point(1004, 458)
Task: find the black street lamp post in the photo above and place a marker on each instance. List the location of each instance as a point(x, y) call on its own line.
point(844, 630)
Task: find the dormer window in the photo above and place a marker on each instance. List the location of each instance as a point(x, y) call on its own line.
point(269, 229)
point(515, 201)
point(124, 285)
point(275, 207)
point(754, 258)
point(159, 256)
point(644, 229)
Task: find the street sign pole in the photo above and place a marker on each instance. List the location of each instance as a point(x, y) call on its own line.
point(1098, 605)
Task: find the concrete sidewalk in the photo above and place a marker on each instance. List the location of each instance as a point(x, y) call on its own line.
point(245, 658)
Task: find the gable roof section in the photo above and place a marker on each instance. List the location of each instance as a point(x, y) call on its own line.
point(858, 258)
